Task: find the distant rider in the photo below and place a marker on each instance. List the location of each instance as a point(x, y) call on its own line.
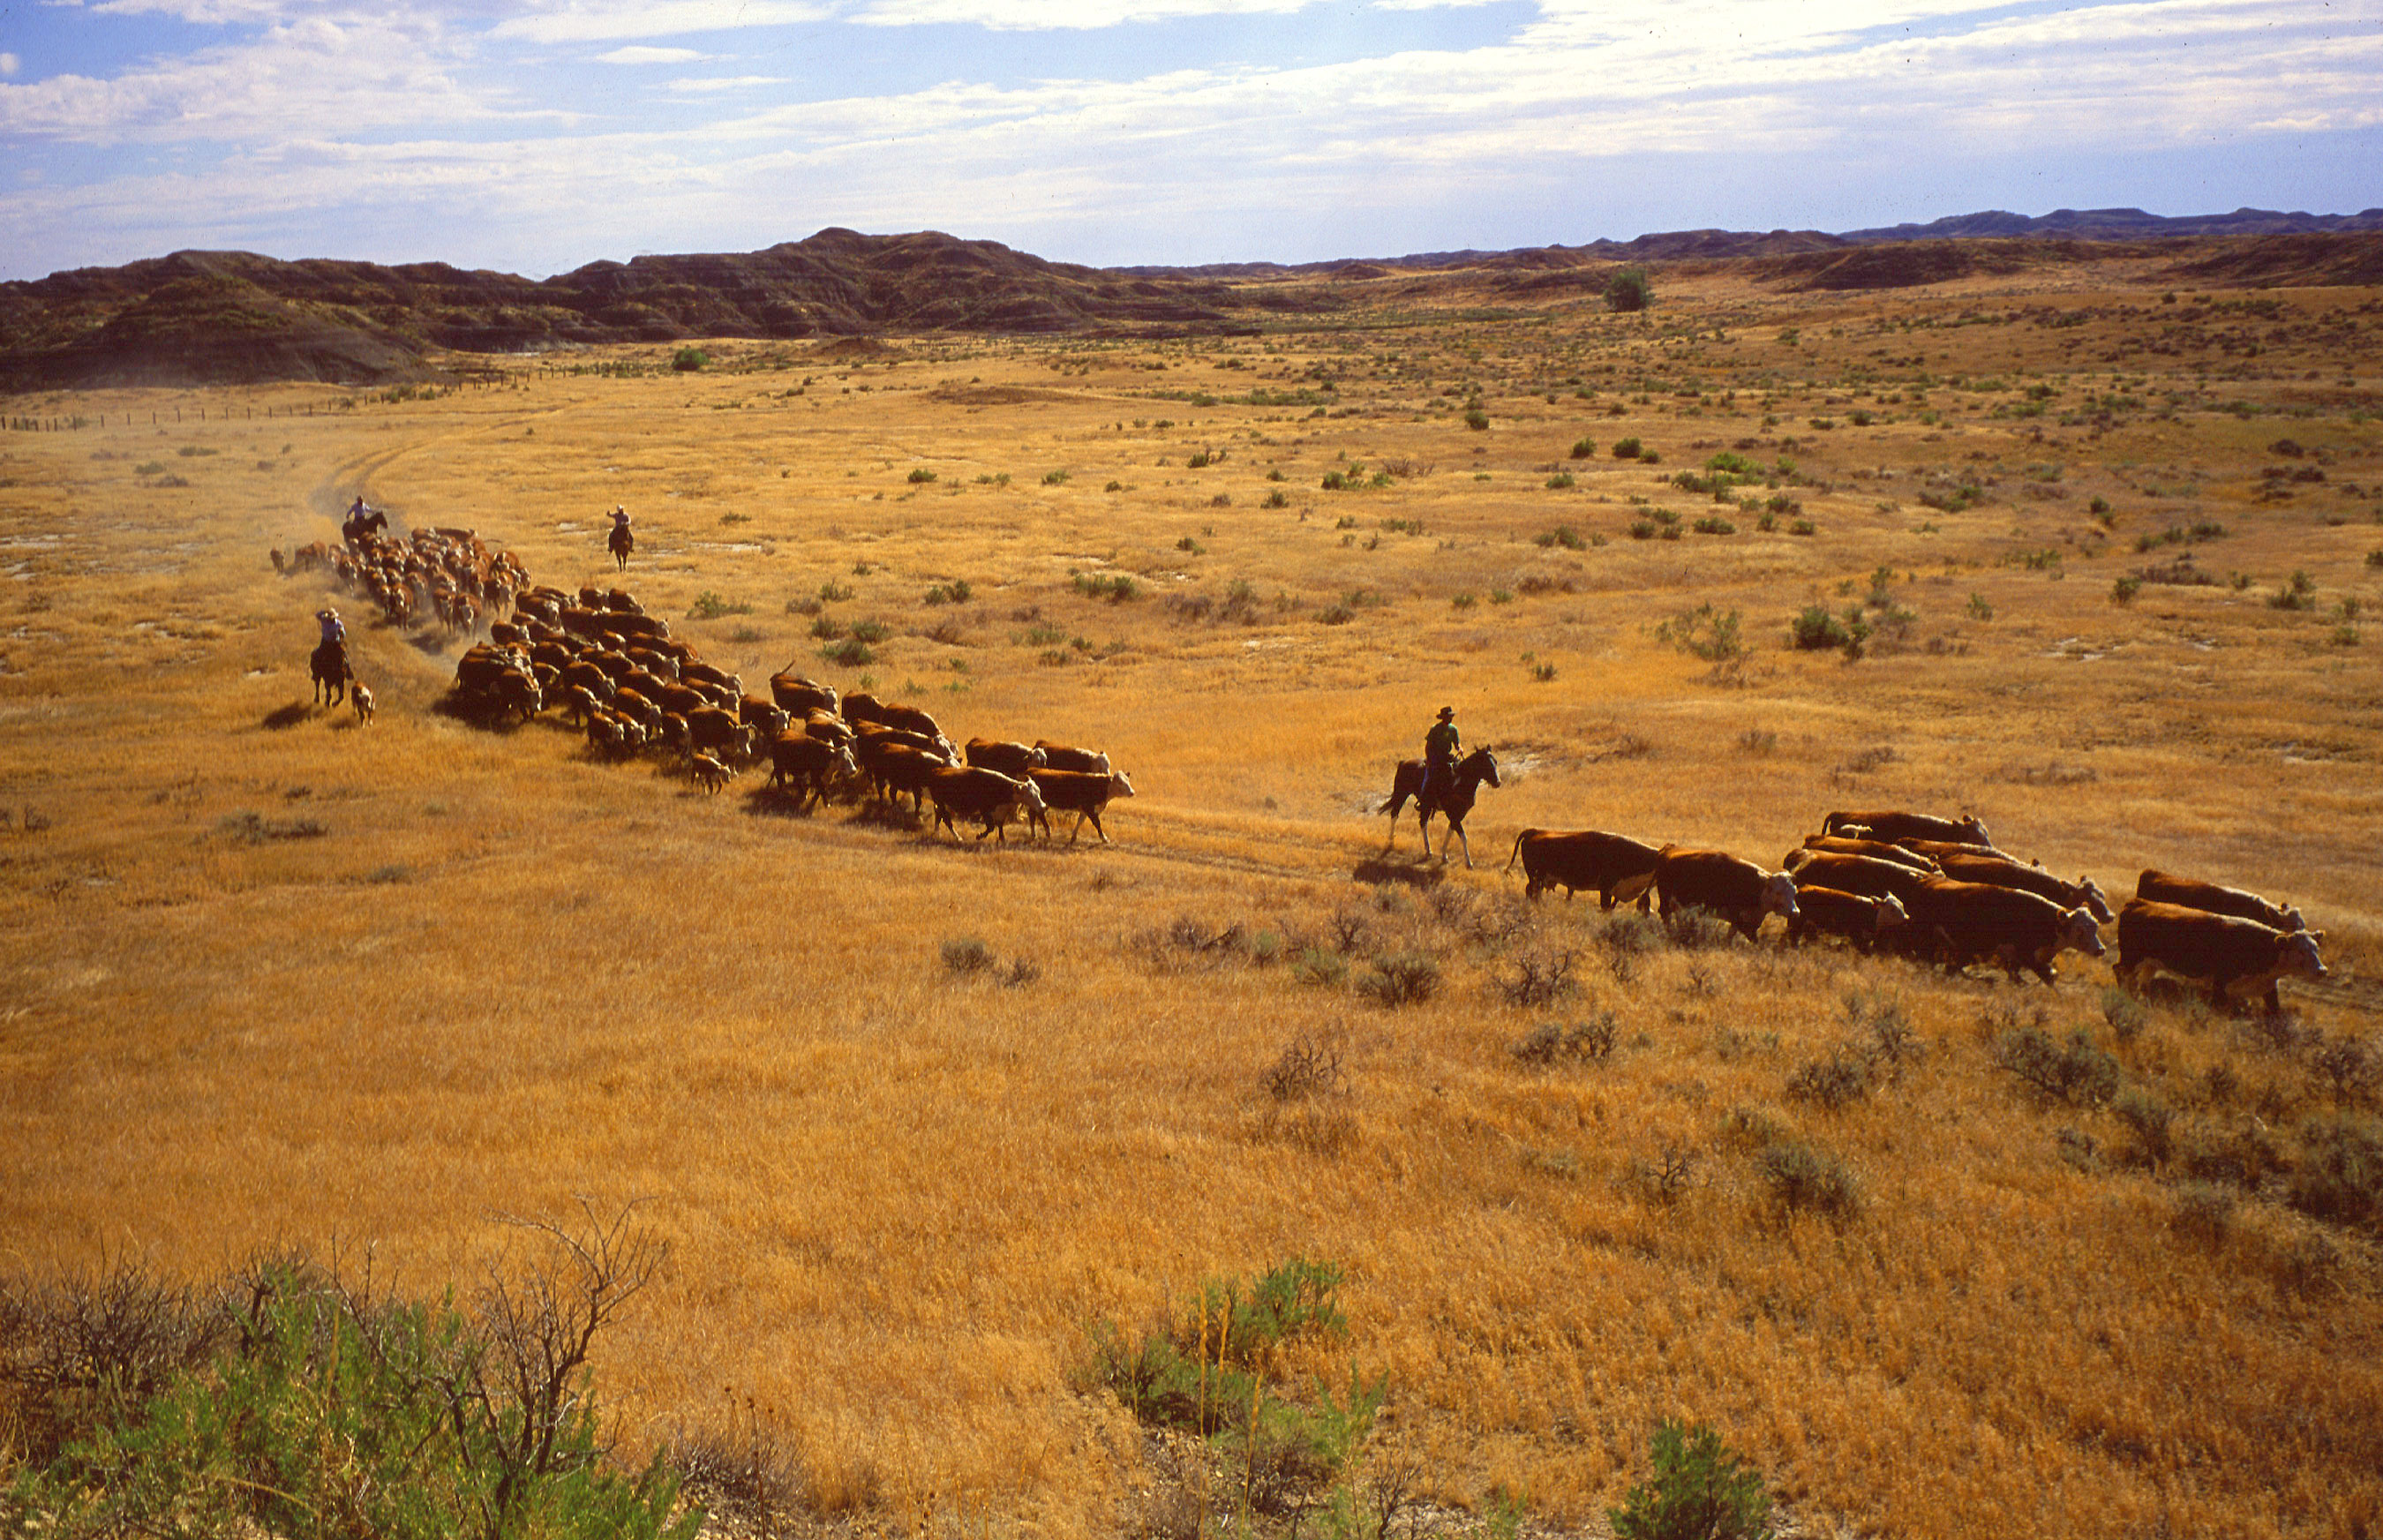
point(1439, 747)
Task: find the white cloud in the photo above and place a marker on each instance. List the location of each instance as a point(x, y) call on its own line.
point(640, 54)
point(8, 64)
point(596, 20)
point(730, 82)
point(1057, 15)
point(354, 73)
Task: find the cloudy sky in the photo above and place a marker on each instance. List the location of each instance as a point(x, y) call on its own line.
point(534, 135)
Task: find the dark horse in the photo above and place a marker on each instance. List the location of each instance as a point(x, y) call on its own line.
point(355, 528)
point(1451, 800)
point(331, 672)
point(621, 544)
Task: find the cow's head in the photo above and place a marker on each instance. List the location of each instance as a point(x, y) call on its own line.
point(1976, 830)
point(843, 764)
point(1889, 912)
point(1118, 784)
point(1030, 797)
point(2293, 921)
point(1778, 893)
point(1038, 758)
point(2078, 930)
point(2094, 900)
point(2296, 953)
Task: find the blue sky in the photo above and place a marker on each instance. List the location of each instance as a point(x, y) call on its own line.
point(536, 135)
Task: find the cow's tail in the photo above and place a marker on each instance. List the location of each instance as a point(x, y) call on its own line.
point(1518, 849)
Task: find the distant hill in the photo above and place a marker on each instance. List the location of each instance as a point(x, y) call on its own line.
point(222, 317)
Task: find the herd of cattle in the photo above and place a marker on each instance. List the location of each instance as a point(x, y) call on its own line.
point(1937, 890)
point(616, 671)
point(1929, 888)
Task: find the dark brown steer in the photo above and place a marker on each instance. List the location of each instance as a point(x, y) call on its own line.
point(1737, 890)
point(1075, 792)
point(1980, 922)
point(806, 765)
point(1862, 921)
point(1865, 875)
point(2233, 959)
point(989, 796)
point(1013, 759)
point(2004, 872)
point(1084, 761)
point(2161, 887)
point(1622, 869)
point(1878, 850)
point(1896, 826)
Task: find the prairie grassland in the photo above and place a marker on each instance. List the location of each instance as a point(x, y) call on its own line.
point(270, 976)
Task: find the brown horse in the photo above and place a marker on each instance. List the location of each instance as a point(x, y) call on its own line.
point(622, 543)
point(331, 672)
point(1451, 800)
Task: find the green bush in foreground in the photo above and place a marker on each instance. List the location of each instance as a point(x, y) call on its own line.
point(329, 1409)
point(1700, 1491)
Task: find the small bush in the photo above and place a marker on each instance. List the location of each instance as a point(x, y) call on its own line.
point(1804, 1179)
point(1629, 290)
point(2151, 1121)
point(710, 606)
point(2123, 591)
point(968, 957)
point(2340, 1173)
point(1401, 978)
point(1814, 629)
point(1055, 478)
point(2076, 1072)
point(1700, 1491)
point(2204, 1214)
point(1476, 419)
point(1561, 481)
point(2124, 1013)
point(1539, 980)
point(688, 361)
point(1584, 449)
point(920, 475)
point(1316, 966)
point(1626, 448)
point(850, 653)
point(1836, 1081)
point(1552, 1043)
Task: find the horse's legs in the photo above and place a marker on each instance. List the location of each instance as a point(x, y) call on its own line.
point(1457, 830)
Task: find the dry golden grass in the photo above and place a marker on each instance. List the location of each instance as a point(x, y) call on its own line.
point(503, 974)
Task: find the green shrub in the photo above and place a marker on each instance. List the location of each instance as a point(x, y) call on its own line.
point(966, 956)
point(1814, 629)
point(1839, 1080)
point(333, 1409)
point(1476, 419)
point(2339, 1172)
point(1561, 481)
point(1704, 632)
point(688, 361)
point(1563, 534)
point(2075, 1072)
point(1700, 1491)
point(851, 653)
point(2124, 590)
point(1626, 448)
point(1584, 449)
point(710, 606)
point(871, 631)
point(1401, 978)
point(1629, 290)
point(921, 475)
point(1055, 478)
point(1804, 1179)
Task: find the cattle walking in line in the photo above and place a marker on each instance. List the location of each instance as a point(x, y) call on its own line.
point(1622, 869)
point(1452, 802)
point(2160, 887)
point(1739, 891)
point(1077, 792)
point(1834, 844)
point(1084, 761)
point(989, 796)
point(2004, 872)
point(1898, 826)
point(1970, 922)
point(1013, 759)
point(2233, 959)
point(1863, 921)
point(805, 766)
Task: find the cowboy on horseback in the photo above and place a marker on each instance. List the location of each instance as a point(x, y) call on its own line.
point(329, 662)
point(621, 542)
point(1439, 747)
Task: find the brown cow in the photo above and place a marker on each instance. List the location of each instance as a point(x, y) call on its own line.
point(800, 696)
point(1013, 759)
point(1834, 844)
point(806, 764)
point(1936, 850)
point(1863, 921)
point(1079, 792)
point(859, 705)
point(1886, 824)
point(910, 718)
point(1980, 922)
point(2160, 887)
point(1865, 875)
point(1738, 890)
point(989, 796)
point(1084, 761)
point(360, 695)
point(708, 770)
point(2232, 958)
point(1620, 868)
point(895, 769)
point(2004, 872)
